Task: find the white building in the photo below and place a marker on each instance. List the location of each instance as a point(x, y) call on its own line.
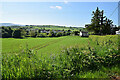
point(84, 34)
point(118, 32)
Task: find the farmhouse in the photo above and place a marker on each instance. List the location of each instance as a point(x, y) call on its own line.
point(118, 32)
point(84, 34)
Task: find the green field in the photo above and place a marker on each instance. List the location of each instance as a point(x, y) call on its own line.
point(61, 57)
point(42, 45)
point(58, 28)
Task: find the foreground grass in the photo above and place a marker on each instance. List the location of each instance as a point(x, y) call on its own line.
point(73, 62)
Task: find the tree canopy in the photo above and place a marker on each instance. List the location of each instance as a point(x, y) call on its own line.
point(100, 24)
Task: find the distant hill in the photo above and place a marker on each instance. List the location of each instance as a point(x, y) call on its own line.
point(10, 24)
point(51, 27)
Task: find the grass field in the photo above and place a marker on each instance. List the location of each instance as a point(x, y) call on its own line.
point(59, 28)
point(93, 57)
point(42, 45)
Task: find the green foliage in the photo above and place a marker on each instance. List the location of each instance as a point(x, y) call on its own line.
point(19, 33)
point(97, 59)
point(99, 23)
point(75, 32)
point(33, 33)
point(59, 34)
point(51, 34)
point(42, 35)
point(6, 32)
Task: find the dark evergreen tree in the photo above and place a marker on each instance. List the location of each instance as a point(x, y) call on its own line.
point(95, 21)
point(99, 23)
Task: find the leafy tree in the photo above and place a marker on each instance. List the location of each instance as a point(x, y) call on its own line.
point(27, 33)
point(68, 33)
point(23, 33)
point(64, 34)
point(19, 33)
point(43, 35)
point(39, 31)
point(51, 34)
point(58, 34)
point(33, 33)
point(6, 32)
point(75, 32)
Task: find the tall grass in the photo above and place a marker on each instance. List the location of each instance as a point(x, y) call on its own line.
point(99, 59)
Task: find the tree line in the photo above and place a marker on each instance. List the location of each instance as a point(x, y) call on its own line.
point(8, 32)
point(100, 24)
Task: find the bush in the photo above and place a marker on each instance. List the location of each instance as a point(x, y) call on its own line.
point(75, 32)
point(58, 34)
point(33, 34)
point(6, 32)
point(42, 35)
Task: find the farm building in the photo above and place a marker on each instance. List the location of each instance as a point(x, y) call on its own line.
point(84, 34)
point(118, 32)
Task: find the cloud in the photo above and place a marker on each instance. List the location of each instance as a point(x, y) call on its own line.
point(59, 7)
point(56, 7)
point(65, 1)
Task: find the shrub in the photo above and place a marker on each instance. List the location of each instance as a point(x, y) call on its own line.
point(58, 34)
point(43, 35)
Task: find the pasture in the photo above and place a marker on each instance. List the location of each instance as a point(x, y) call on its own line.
point(61, 57)
point(42, 45)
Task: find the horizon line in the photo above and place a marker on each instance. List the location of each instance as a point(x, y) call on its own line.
point(43, 24)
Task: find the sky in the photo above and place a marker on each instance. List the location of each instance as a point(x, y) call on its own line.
point(75, 14)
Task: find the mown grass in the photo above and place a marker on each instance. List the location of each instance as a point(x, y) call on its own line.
point(96, 57)
point(44, 46)
point(14, 45)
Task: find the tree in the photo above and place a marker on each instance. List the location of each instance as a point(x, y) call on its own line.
point(51, 34)
point(58, 34)
point(99, 23)
point(43, 35)
point(33, 33)
point(96, 21)
point(6, 32)
point(19, 33)
point(64, 33)
point(75, 32)
point(23, 33)
point(107, 26)
point(39, 31)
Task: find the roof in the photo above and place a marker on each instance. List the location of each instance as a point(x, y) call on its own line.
point(83, 31)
